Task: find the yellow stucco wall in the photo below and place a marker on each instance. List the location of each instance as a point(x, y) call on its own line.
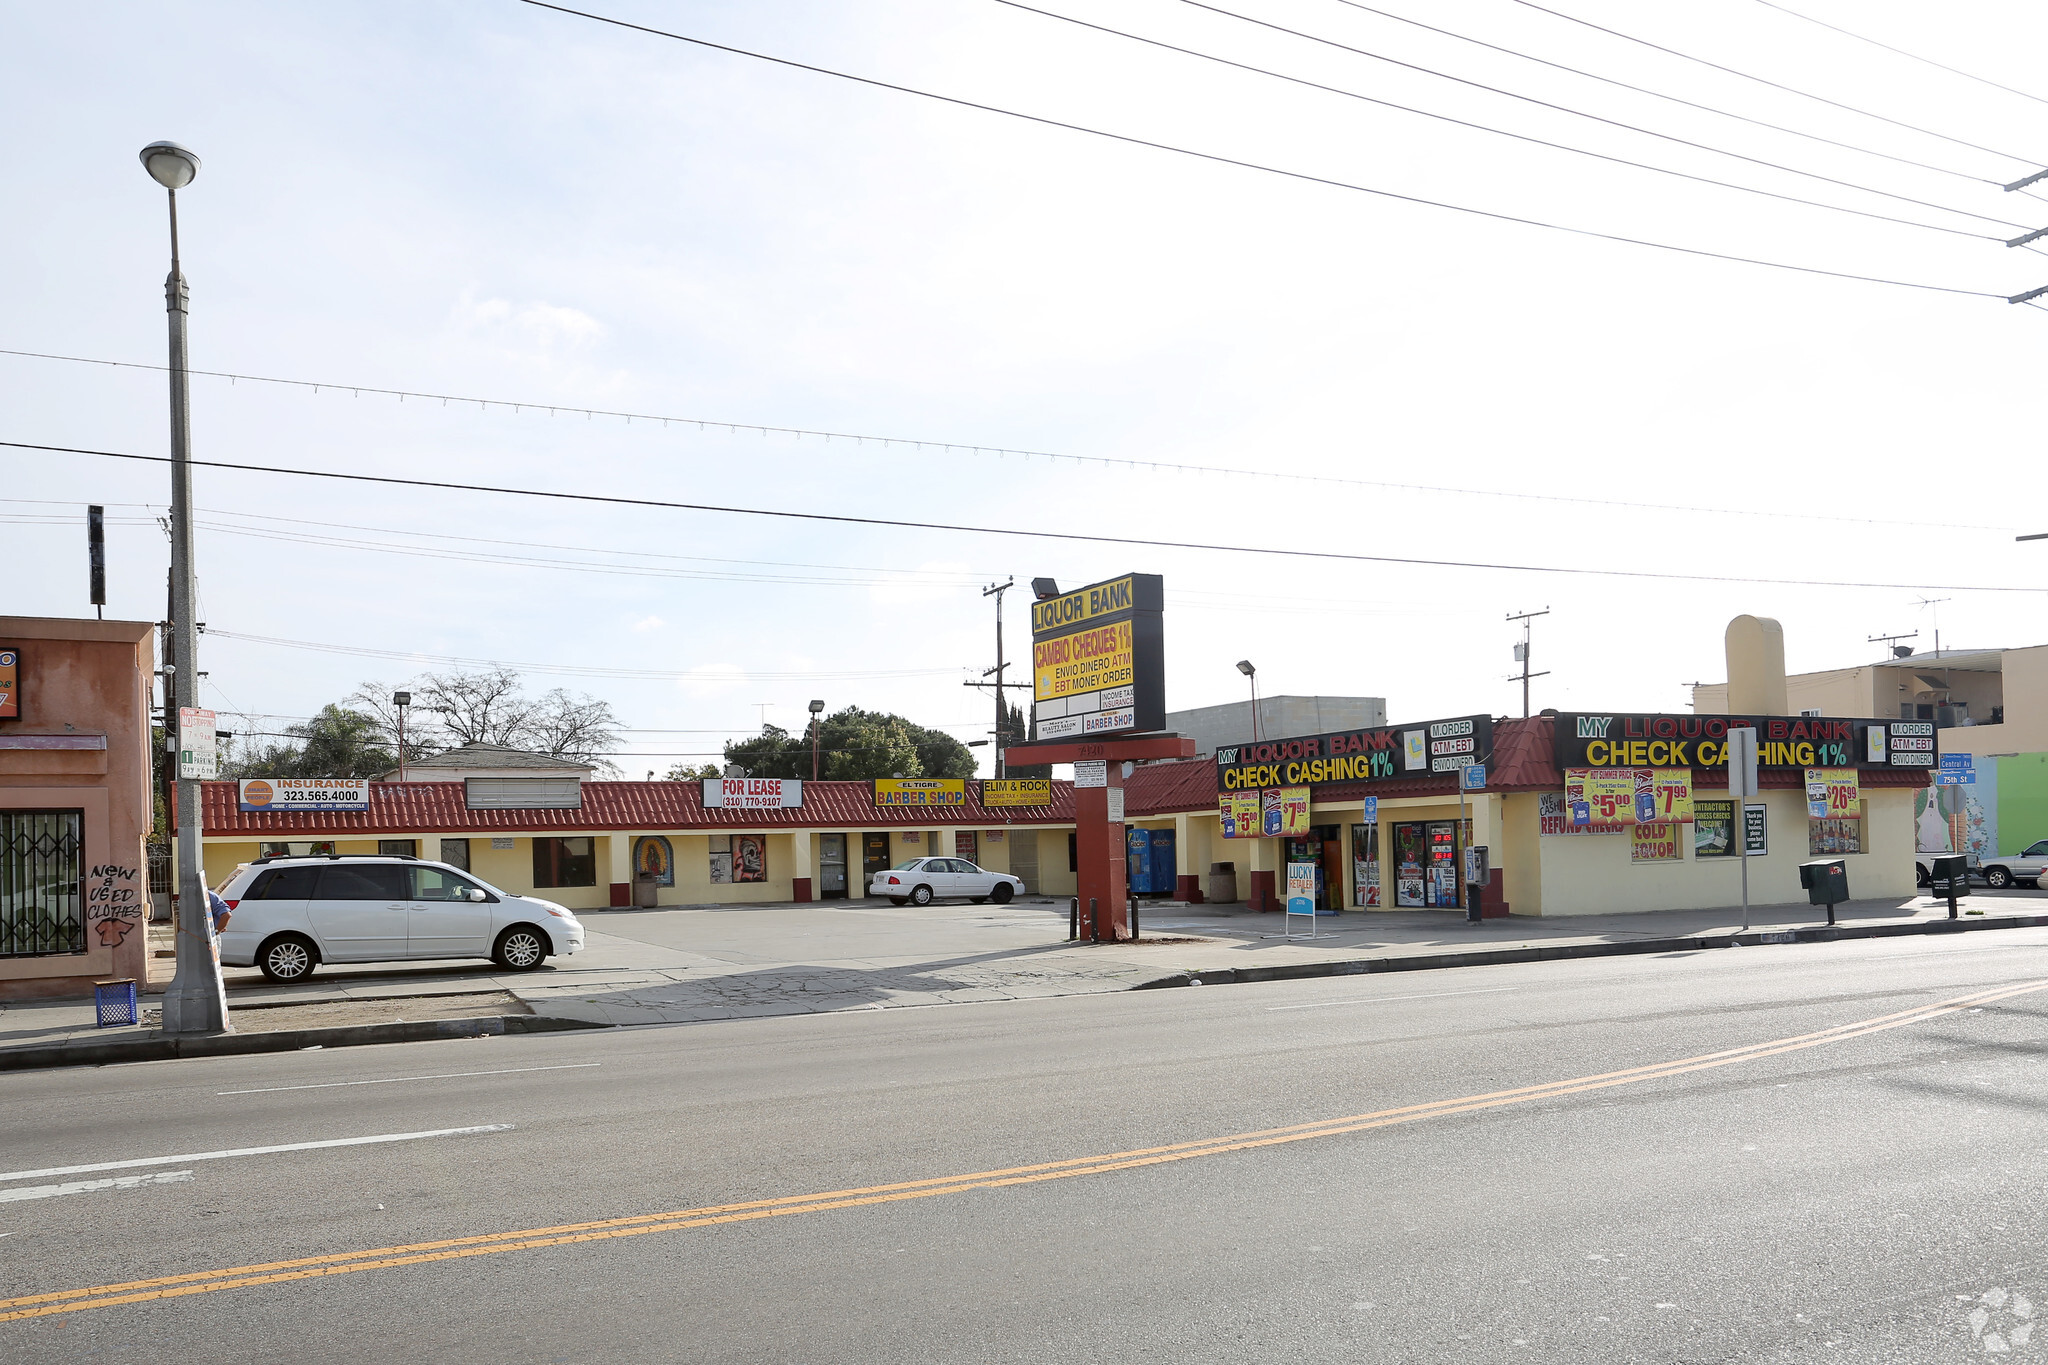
point(1591, 874)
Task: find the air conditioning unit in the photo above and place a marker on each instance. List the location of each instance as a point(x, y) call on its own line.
point(1810, 712)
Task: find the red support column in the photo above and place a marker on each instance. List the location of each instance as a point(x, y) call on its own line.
point(1100, 857)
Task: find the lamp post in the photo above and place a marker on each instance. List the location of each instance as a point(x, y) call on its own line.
point(195, 1002)
point(1244, 666)
point(817, 711)
point(401, 700)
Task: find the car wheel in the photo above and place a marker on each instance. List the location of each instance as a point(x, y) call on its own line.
point(1997, 878)
point(520, 948)
point(287, 958)
point(899, 900)
point(1920, 876)
point(921, 896)
point(1001, 895)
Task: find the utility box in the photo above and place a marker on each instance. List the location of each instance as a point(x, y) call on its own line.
point(1826, 881)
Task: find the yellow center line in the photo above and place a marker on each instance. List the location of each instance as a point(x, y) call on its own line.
point(456, 1248)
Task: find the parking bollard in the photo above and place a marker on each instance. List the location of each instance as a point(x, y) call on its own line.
point(1094, 925)
point(1073, 918)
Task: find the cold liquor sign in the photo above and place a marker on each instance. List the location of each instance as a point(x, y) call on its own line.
point(1098, 660)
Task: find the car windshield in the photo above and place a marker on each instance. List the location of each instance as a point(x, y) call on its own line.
point(910, 866)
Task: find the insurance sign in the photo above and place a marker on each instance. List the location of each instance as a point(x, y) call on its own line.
point(304, 793)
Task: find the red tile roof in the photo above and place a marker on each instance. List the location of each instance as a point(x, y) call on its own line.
point(439, 807)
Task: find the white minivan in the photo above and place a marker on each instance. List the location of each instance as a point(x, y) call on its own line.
point(288, 915)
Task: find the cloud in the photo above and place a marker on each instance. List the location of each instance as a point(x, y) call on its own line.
point(648, 623)
point(528, 328)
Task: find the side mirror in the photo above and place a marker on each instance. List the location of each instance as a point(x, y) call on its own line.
point(476, 894)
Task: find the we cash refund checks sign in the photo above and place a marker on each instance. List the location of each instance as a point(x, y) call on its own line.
point(303, 793)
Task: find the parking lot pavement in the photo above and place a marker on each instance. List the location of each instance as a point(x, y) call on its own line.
point(728, 962)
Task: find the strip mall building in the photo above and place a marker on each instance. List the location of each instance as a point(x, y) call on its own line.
point(1380, 815)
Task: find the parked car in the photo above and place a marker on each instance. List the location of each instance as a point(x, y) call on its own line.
point(2000, 871)
point(288, 915)
point(2024, 867)
point(922, 880)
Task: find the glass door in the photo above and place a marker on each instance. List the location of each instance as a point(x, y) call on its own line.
point(1365, 867)
point(1410, 851)
point(831, 867)
point(1442, 875)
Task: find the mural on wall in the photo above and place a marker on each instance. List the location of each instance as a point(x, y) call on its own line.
point(113, 903)
point(749, 858)
point(652, 857)
point(1961, 818)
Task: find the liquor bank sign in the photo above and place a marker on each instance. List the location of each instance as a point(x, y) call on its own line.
point(1098, 659)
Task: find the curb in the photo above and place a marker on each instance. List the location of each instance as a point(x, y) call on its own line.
point(282, 1040)
point(1494, 957)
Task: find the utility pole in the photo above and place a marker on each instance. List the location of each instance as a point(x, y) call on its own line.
point(1522, 654)
point(996, 590)
point(195, 1001)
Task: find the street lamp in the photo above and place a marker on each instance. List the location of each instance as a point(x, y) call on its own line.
point(195, 1002)
point(817, 710)
point(401, 700)
point(1244, 666)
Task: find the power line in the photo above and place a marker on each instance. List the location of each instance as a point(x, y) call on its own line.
point(1218, 159)
point(1018, 532)
point(1913, 56)
point(1106, 461)
point(1524, 137)
point(1775, 85)
point(1675, 99)
point(579, 670)
point(1580, 113)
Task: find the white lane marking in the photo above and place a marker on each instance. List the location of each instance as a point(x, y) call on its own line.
point(119, 1182)
point(1383, 999)
point(250, 1151)
point(393, 1080)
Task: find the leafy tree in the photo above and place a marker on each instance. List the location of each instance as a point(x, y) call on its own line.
point(854, 745)
point(338, 742)
point(684, 772)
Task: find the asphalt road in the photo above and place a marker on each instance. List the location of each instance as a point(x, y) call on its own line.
point(1684, 1158)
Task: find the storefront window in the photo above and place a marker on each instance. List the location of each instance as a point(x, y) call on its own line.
point(564, 862)
point(455, 853)
point(1836, 834)
point(42, 876)
point(1365, 866)
point(402, 848)
point(1654, 844)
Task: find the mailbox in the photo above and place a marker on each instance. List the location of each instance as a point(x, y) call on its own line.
point(1826, 881)
point(1949, 872)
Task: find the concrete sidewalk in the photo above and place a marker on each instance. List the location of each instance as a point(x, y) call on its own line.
point(731, 962)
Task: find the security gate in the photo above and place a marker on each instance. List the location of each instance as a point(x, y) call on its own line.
point(42, 882)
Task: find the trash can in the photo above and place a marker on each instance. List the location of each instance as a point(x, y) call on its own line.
point(644, 888)
point(1222, 888)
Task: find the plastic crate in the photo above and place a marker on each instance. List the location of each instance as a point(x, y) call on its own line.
point(113, 1003)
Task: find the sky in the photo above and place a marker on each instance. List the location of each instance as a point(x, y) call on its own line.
point(496, 201)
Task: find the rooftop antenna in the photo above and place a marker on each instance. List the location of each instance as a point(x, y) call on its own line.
point(1934, 604)
point(1898, 650)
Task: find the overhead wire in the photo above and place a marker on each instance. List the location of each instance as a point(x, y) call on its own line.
point(1525, 137)
point(1779, 85)
point(1576, 113)
point(1104, 461)
point(1079, 537)
point(1666, 95)
point(1221, 160)
point(1912, 56)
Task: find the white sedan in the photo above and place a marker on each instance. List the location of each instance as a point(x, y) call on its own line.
point(920, 880)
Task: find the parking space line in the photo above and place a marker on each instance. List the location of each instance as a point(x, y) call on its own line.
point(250, 1151)
point(119, 1182)
point(394, 1080)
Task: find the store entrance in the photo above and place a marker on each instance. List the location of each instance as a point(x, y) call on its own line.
point(832, 867)
point(874, 857)
point(1426, 861)
point(1325, 849)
